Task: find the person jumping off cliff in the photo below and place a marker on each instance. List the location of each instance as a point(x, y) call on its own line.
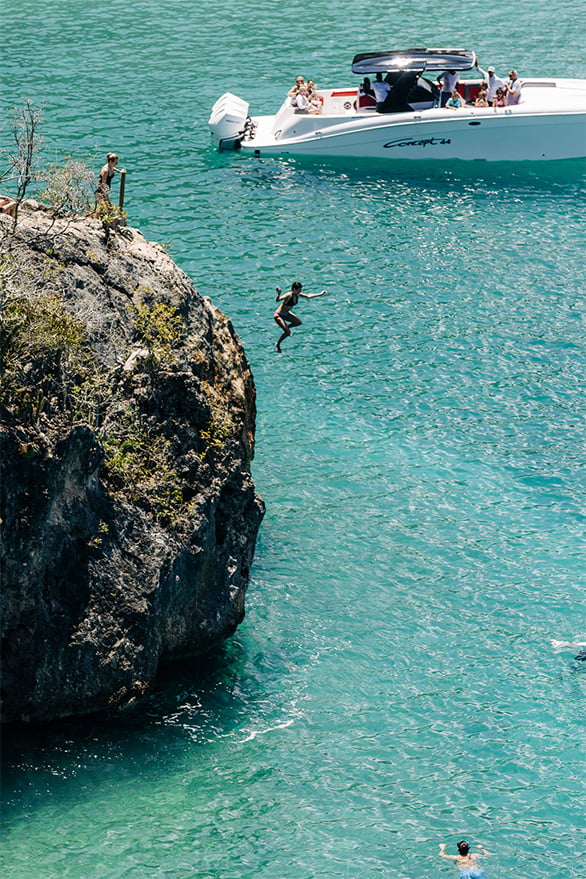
point(283, 316)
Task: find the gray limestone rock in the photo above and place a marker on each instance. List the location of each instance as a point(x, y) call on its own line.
point(129, 515)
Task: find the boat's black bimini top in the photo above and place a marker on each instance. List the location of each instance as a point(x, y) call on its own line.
point(414, 59)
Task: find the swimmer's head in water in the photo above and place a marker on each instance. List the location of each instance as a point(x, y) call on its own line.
point(463, 847)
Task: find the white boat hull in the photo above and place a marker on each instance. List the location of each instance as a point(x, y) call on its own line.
point(469, 137)
point(550, 124)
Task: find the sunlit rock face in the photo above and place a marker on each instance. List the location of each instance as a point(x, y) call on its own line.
point(127, 418)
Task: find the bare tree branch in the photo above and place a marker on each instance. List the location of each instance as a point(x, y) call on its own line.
point(23, 162)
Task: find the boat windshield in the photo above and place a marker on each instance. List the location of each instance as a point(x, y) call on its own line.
point(413, 59)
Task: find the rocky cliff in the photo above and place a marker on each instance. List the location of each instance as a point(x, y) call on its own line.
point(129, 516)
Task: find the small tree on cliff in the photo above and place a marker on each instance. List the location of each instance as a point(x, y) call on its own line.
point(70, 188)
point(22, 163)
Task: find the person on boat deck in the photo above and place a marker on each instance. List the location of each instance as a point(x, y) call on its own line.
point(494, 82)
point(402, 85)
point(447, 82)
point(454, 102)
point(381, 89)
point(481, 99)
point(283, 316)
point(467, 863)
point(301, 101)
point(294, 91)
point(366, 87)
point(366, 96)
point(499, 98)
point(513, 89)
point(316, 103)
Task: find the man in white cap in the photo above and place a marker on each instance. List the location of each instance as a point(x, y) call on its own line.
point(494, 82)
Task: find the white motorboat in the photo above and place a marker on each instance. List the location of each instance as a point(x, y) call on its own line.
point(549, 123)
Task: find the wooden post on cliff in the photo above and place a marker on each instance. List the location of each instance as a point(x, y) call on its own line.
point(122, 186)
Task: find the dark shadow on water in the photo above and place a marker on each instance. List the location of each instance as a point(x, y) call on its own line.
point(568, 171)
point(567, 176)
point(192, 704)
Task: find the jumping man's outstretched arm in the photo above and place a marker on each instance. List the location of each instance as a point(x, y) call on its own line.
point(313, 295)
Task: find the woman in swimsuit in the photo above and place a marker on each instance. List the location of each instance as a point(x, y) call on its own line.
point(283, 316)
point(467, 863)
point(106, 177)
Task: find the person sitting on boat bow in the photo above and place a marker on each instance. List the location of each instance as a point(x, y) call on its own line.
point(316, 102)
point(301, 101)
point(294, 91)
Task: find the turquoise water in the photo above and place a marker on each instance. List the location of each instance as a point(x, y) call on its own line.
point(419, 447)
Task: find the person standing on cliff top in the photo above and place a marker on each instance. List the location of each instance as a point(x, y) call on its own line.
point(106, 177)
point(283, 316)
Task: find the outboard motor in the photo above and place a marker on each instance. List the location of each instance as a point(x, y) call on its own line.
point(228, 121)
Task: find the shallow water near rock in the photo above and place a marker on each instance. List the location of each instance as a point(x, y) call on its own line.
point(419, 448)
